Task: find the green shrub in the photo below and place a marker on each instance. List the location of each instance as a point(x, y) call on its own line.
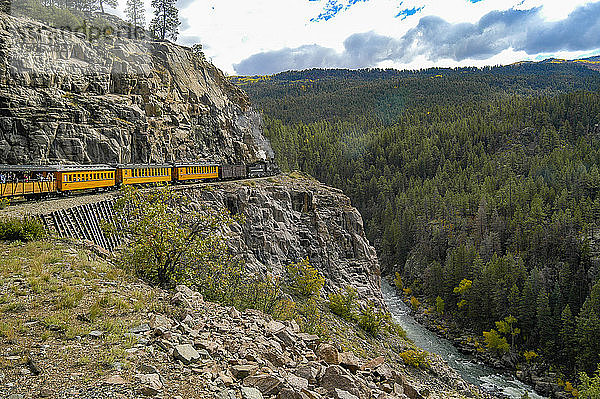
point(415, 358)
point(439, 305)
point(311, 319)
point(372, 320)
point(398, 282)
point(4, 203)
point(303, 280)
point(343, 303)
point(25, 229)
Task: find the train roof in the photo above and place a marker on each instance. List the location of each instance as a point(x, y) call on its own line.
point(52, 168)
point(143, 166)
point(184, 164)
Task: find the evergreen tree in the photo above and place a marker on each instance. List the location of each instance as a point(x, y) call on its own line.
point(544, 321)
point(165, 24)
point(135, 13)
point(567, 337)
point(588, 332)
point(110, 3)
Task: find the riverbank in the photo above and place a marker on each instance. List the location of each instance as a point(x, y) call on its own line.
point(488, 379)
point(536, 373)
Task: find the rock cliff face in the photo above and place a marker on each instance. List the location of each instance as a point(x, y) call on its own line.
point(288, 219)
point(96, 98)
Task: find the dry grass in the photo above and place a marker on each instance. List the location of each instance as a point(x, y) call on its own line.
point(54, 294)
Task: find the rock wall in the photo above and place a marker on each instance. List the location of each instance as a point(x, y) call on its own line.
point(77, 97)
point(288, 219)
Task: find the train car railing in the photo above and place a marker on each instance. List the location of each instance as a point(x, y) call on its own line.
point(22, 187)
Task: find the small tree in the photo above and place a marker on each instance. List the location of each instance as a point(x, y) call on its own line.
point(590, 386)
point(529, 356)
point(303, 280)
point(398, 282)
point(166, 244)
point(135, 13)
point(461, 290)
point(415, 303)
point(165, 24)
point(343, 303)
point(439, 305)
point(110, 3)
point(507, 327)
point(495, 342)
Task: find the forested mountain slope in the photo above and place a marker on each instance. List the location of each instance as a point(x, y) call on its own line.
point(486, 177)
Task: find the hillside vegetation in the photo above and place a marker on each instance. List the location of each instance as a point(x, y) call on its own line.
point(479, 187)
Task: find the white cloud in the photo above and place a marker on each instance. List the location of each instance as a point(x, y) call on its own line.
point(234, 30)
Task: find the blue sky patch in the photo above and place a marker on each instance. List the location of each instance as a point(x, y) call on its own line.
point(407, 12)
point(333, 8)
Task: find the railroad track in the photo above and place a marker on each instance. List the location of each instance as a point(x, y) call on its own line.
point(46, 206)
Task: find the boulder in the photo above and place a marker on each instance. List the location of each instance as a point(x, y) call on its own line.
point(349, 361)
point(241, 371)
point(297, 383)
point(186, 353)
point(265, 383)
point(151, 384)
point(373, 363)
point(251, 393)
point(336, 377)
point(275, 326)
point(288, 393)
point(341, 394)
point(328, 353)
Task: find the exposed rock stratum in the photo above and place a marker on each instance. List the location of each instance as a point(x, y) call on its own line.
point(67, 97)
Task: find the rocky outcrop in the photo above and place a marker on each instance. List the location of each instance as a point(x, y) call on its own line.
point(101, 98)
point(287, 219)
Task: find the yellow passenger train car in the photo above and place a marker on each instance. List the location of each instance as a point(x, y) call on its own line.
point(84, 177)
point(27, 180)
point(142, 174)
point(189, 171)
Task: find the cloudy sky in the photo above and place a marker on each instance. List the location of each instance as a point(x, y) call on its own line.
point(267, 36)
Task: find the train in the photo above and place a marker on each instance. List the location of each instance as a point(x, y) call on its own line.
point(32, 181)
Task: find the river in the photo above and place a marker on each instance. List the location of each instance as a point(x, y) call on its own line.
point(487, 378)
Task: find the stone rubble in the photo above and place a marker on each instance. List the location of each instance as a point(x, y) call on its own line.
point(252, 356)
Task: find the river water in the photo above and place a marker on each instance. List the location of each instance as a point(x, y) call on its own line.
point(487, 378)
